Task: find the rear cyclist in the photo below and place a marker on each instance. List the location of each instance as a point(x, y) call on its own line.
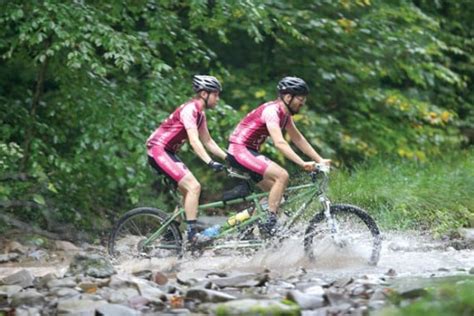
point(188, 121)
point(269, 119)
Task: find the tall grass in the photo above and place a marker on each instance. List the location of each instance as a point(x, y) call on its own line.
point(437, 195)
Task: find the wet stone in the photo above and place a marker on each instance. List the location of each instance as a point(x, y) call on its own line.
point(66, 282)
point(91, 265)
point(189, 278)
point(241, 280)
point(39, 255)
point(9, 290)
point(342, 282)
point(28, 311)
point(249, 306)
point(23, 278)
point(208, 296)
point(305, 301)
point(119, 296)
point(78, 307)
point(15, 246)
point(414, 293)
point(42, 281)
point(64, 292)
point(9, 257)
point(65, 245)
point(376, 304)
point(339, 300)
point(28, 297)
point(116, 310)
point(159, 278)
point(314, 290)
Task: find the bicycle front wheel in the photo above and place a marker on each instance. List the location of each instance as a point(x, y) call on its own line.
point(131, 235)
point(353, 233)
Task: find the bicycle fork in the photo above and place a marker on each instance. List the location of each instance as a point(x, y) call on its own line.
point(332, 223)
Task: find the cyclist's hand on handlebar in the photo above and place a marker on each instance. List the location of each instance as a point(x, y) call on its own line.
point(326, 162)
point(309, 165)
point(216, 166)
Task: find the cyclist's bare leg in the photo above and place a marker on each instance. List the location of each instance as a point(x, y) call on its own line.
point(266, 184)
point(191, 190)
point(279, 176)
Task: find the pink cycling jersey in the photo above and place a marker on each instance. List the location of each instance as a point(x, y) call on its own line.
point(252, 131)
point(172, 132)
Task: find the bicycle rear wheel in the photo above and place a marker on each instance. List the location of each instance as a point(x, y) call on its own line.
point(357, 236)
point(129, 236)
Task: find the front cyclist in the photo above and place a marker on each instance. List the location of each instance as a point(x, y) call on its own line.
point(269, 119)
point(188, 121)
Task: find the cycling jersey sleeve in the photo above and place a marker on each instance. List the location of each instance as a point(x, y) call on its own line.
point(189, 116)
point(203, 127)
point(270, 117)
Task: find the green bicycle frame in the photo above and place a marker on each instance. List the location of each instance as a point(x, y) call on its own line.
point(307, 195)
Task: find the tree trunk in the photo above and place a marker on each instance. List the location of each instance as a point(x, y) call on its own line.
point(30, 132)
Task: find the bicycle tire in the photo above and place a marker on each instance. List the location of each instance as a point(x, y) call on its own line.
point(138, 224)
point(360, 231)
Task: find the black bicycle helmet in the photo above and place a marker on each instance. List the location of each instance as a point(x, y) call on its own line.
point(206, 83)
point(293, 86)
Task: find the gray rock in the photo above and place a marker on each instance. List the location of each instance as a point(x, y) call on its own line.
point(64, 292)
point(305, 301)
point(414, 293)
point(79, 307)
point(23, 278)
point(118, 296)
point(471, 271)
point(376, 304)
point(314, 290)
point(42, 281)
point(15, 246)
point(9, 257)
point(29, 297)
point(254, 307)
point(31, 311)
point(91, 265)
point(116, 310)
point(339, 300)
point(378, 295)
point(39, 255)
point(241, 280)
point(342, 282)
point(208, 296)
point(191, 278)
point(176, 312)
point(9, 290)
point(66, 282)
point(467, 234)
point(65, 245)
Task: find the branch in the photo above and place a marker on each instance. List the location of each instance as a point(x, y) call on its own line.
point(27, 227)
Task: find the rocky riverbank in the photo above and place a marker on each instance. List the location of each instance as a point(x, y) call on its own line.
point(59, 278)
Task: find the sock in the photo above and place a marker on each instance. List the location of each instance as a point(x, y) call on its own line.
point(191, 229)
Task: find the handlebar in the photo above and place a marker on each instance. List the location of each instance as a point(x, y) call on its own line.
point(320, 168)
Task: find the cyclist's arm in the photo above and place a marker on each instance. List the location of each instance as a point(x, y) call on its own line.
point(298, 139)
point(282, 145)
point(197, 146)
point(210, 143)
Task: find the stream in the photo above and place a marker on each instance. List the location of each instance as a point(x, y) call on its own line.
point(408, 261)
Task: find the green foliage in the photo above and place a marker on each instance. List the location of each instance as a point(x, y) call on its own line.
point(446, 299)
point(408, 194)
point(83, 84)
